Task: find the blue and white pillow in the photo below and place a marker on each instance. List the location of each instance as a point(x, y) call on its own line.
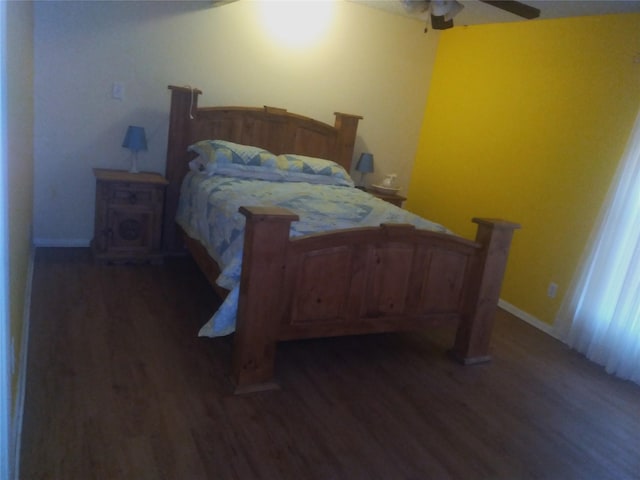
point(221, 157)
point(301, 168)
point(225, 158)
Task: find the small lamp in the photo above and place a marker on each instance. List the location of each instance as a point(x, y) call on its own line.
point(135, 140)
point(364, 166)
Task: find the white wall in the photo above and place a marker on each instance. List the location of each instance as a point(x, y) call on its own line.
point(369, 63)
point(5, 331)
point(17, 132)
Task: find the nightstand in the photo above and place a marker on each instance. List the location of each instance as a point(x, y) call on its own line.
point(393, 198)
point(128, 216)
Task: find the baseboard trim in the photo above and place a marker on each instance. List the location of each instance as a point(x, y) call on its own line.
point(16, 430)
point(528, 318)
point(61, 242)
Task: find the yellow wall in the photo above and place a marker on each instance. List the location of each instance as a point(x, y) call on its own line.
point(527, 121)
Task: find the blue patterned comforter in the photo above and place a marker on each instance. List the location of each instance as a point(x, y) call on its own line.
point(208, 212)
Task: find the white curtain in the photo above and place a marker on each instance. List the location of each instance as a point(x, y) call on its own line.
point(600, 315)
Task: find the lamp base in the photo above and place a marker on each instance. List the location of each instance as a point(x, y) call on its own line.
point(363, 184)
point(134, 165)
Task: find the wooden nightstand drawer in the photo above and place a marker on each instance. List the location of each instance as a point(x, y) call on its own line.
point(128, 216)
point(392, 198)
point(133, 194)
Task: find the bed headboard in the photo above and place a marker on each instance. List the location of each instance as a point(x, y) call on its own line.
point(273, 129)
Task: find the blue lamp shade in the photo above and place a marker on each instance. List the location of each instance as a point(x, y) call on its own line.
point(135, 139)
point(365, 163)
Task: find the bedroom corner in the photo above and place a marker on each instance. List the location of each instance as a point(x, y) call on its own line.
point(528, 121)
point(314, 333)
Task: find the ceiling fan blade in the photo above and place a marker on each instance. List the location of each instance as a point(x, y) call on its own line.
point(517, 8)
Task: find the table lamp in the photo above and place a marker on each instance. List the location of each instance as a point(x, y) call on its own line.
point(135, 140)
point(364, 166)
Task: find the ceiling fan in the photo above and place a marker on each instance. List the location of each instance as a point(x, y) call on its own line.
point(443, 11)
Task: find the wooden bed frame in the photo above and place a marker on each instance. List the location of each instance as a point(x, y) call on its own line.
point(365, 280)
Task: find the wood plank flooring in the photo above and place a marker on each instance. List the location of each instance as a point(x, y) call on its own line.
point(119, 386)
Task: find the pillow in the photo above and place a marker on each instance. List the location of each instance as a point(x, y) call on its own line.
point(216, 156)
point(221, 157)
point(234, 153)
point(197, 164)
point(247, 171)
point(300, 168)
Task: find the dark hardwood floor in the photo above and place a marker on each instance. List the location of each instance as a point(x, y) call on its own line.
point(119, 386)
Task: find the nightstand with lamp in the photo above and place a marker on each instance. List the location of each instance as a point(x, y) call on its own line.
point(129, 209)
point(387, 191)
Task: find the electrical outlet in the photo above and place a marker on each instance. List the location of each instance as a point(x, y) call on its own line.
point(552, 290)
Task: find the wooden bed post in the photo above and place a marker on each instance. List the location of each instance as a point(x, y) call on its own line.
point(347, 126)
point(474, 331)
point(184, 103)
point(265, 249)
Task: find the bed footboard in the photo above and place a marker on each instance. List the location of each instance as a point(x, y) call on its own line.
point(363, 280)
